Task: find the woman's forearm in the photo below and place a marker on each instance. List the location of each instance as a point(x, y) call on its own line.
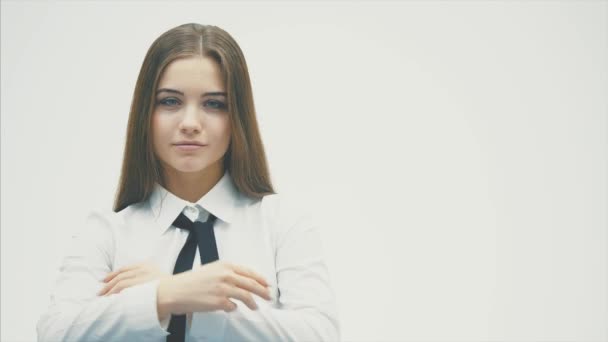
point(163, 299)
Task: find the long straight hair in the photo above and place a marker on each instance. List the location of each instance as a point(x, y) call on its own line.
point(245, 158)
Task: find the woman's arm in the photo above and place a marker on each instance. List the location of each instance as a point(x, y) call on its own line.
point(77, 313)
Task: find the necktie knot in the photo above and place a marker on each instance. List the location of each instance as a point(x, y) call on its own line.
point(183, 222)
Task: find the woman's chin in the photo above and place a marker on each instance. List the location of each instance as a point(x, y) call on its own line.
point(190, 165)
point(189, 168)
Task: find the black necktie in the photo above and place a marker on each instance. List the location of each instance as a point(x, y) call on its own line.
point(201, 235)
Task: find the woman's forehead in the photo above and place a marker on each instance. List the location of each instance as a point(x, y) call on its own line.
point(192, 75)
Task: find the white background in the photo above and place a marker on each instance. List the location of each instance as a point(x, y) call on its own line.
point(456, 152)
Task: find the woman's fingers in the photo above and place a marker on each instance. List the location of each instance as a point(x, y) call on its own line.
point(249, 273)
point(228, 305)
point(251, 285)
point(111, 275)
point(243, 296)
point(122, 285)
point(116, 279)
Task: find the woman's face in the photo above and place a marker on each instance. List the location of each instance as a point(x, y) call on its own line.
point(191, 108)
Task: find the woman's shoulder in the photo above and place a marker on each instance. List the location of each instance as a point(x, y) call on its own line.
point(99, 219)
point(95, 228)
point(103, 220)
point(109, 216)
point(277, 204)
point(284, 209)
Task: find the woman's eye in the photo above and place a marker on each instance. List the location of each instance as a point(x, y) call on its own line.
point(216, 104)
point(168, 101)
point(171, 102)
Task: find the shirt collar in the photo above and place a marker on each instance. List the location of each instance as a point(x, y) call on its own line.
point(220, 200)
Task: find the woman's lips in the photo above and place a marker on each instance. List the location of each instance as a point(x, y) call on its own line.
point(186, 147)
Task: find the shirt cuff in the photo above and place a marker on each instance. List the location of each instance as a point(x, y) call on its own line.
point(165, 322)
point(141, 308)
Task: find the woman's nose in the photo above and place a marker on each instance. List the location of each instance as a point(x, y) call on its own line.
point(192, 119)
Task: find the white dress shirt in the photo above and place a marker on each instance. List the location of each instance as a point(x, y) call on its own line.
point(271, 236)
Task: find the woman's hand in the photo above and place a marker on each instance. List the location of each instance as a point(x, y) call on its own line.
point(210, 287)
point(129, 276)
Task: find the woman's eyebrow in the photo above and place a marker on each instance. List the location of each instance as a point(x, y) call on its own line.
point(168, 90)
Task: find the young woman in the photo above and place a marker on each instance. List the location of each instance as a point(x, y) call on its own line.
point(194, 158)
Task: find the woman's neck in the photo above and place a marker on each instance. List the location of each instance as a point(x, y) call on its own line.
point(192, 186)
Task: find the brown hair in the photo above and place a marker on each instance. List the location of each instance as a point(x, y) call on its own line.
point(245, 158)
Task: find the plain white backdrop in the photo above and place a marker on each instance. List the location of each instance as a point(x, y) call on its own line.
point(455, 152)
